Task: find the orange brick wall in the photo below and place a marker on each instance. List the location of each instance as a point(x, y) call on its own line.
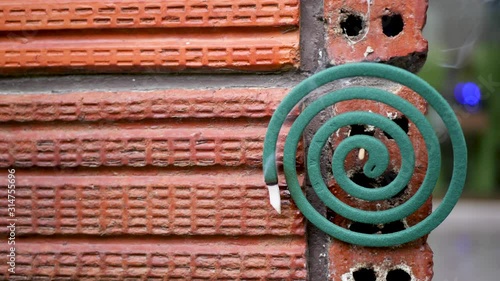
point(134, 36)
point(146, 185)
point(164, 181)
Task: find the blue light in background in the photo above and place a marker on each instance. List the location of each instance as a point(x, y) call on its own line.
point(468, 94)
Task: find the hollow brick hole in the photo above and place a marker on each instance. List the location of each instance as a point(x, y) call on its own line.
point(387, 228)
point(393, 227)
point(361, 179)
point(352, 25)
point(364, 228)
point(401, 122)
point(386, 178)
point(398, 275)
point(364, 274)
point(361, 130)
point(392, 25)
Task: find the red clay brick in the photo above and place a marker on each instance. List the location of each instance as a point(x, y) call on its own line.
point(33, 15)
point(198, 202)
point(161, 140)
point(415, 257)
point(120, 106)
point(226, 144)
point(346, 259)
point(407, 49)
point(353, 163)
point(262, 49)
point(122, 186)
point(157, 259)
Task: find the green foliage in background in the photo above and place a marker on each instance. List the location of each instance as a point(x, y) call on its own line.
point(482, 68)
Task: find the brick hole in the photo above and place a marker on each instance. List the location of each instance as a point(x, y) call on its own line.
point(364, 228)
point(351, 25)
point(398, 275)
point(401, 122)
point(383, 180)
point(393, 227)
point(364, 274)
point(330, 214)
point(392, 25)
point(361, 179)
point(386, 178)
point(387, 228)
point(401, 193)
point(361, 130)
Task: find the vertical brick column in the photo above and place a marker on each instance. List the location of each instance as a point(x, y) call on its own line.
point(388, 32)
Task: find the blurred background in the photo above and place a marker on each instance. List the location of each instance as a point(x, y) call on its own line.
point(464, 65)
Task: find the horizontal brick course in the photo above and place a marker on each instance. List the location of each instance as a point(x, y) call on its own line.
point(163, 141)
point(226, 145)
point(268, 49)
point(56, 14)
point(160, 185)
point(158, 259)
point(119, 106)
point(170, 203)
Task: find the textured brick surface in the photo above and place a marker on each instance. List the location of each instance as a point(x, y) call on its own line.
point(415, 260)
point(157, 259)
point(158, 141)
point(407, 49)
point(221, 202)
point(354, 164)
point(70, 14)
point(415, 257)
point(161, 185)
point(129, 35)
point(225, 144)
point(150, 50)
point(174, 103)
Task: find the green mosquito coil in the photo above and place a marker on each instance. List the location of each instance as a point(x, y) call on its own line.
point(378, 160)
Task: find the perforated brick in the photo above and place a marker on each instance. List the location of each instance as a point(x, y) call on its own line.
point(354, 165)
point(56, 14)
point(413, 262)
point(371, 31)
